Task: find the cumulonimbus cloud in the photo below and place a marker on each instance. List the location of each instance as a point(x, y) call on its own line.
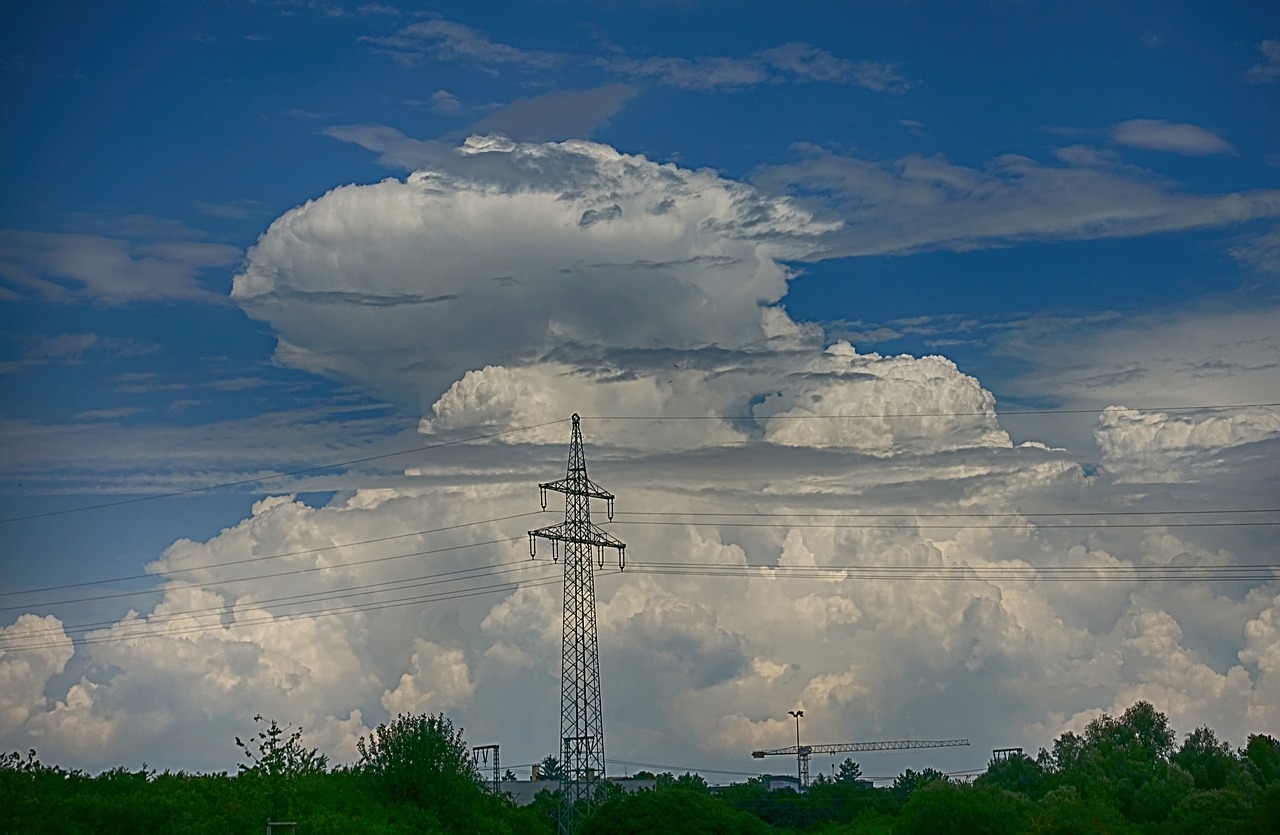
point(546, 245)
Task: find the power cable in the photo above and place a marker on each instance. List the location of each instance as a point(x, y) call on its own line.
point(270, 618)
point(259, 559)
point(283, 573)
point(315, 596)
point(259, 479)
point(992, 413)
point(621, 513)
point(874, 515)
point(968, 573)
point(1242, 524)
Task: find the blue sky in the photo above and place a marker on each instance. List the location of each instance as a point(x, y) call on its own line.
point(1077, 204)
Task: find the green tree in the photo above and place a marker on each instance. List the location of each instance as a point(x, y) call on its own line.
point(550, 768)
point(670, 811)
point(1064, 811)
point(848, 772)
point(940, 807)
point(276, 757)
point(1123, 761)
point(908, 781)
point(1017, 773)
point(271, 753)
point(1216, 812)
point(1262, 753)
point(1211, 764)
point(688, 780)
point(1142, 731)
point(423, 759)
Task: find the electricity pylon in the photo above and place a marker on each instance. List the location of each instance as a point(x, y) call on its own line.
point(581, 719)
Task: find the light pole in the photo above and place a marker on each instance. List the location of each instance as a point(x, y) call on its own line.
point(797, 714)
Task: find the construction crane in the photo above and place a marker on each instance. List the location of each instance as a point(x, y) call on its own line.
point(803, 752)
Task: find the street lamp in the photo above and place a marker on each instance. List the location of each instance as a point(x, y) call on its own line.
point(797, 714)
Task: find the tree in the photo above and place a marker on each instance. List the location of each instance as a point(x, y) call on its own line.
point(1064, 812)
point(908, 781)
point(688, 780)
point(848, 772)
point(941, 807)
point(272, 754)
point(275, 761)
point(550, 768)
point(1142, 731)
point(1066, 754)
point(1211, 764)
point(1262, 752)
point(1017, 773)
point(674, 811)
point(508, 776)
point(1217, 812)
point(423, 759)
point(1124, 761)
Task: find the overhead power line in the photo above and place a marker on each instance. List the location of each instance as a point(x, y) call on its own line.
point(716, 519)
point(260, 479)
point(315, 596)
point(143, 634)
point(800, 514)
point(206, 566)
point(969, 573)
point(864, 526)
point(993, 413)
point(290, 573)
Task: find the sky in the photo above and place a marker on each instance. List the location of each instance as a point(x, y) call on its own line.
point(932, 352)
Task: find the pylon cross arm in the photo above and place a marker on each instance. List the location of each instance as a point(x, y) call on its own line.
point(578, 487)
point(594, 536)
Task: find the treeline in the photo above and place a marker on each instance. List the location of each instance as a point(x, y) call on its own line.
point(1124, 774)
point(415, 775)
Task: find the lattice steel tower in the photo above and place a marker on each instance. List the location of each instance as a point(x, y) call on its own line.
point(581, 721)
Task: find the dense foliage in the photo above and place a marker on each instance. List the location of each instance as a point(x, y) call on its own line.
point(1125, 775)
point(415, 776)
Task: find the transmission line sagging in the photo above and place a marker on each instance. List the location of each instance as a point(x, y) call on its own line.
point(169, 572)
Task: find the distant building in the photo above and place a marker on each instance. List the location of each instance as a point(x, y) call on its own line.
point(778, 783)
point(524, 791)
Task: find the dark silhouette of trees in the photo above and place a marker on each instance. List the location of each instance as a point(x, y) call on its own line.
point(670, 810)
point(1125, 775)
point(848, 772)
point(1016, 773)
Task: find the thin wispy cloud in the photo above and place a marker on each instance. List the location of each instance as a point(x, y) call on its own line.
point(1266, 71)
point(1159, 135)
point(444, 40)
